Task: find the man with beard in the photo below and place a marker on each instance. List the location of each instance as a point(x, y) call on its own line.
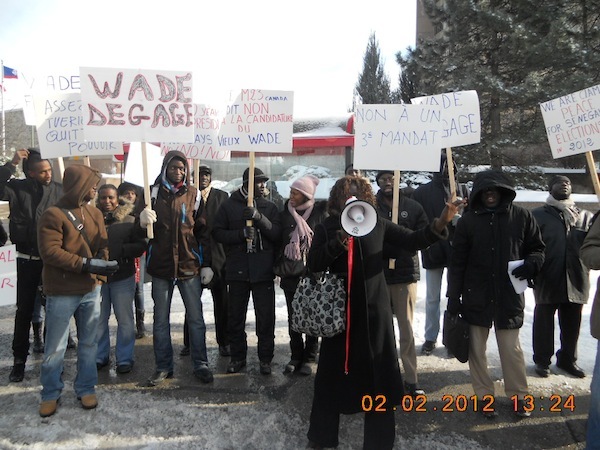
point(211, 201)
point(249, 251)
point(402, 278)
point(563, 284)
point(28, 198)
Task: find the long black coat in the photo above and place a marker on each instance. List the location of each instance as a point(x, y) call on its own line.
point(483, 244)
point(373, 359)
point(563, 278)
point(228, 230)
point(213, 252)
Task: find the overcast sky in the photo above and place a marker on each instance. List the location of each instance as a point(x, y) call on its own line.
point(314, 48)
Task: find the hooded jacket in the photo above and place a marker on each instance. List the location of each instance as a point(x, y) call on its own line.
point(432, 197)
point(62, 246)
point(28, 199)
point(485, 240)
point(175, 252)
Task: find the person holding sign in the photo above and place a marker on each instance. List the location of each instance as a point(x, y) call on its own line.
point(28, 198)
point(74, 247)
point(432, 196)
point(563, 284)
point(358, 369)
point(250, 254)
point(403, 276)
point(487, 237)
point(175, 258)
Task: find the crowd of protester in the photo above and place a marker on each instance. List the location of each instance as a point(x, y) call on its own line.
point(83, 251)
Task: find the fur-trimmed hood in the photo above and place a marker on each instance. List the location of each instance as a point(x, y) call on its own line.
point(123, 209)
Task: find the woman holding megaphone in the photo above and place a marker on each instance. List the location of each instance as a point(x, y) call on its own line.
point(358, 369)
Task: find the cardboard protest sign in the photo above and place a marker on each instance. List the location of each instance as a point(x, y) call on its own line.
point(573, 122)
point(133, 174)
point(59, 126)
point(137, 105)
point(258, 121)
point(8, 275)
point(205, 146)
point(402, 137)
point(46, 85)
point(460, 116)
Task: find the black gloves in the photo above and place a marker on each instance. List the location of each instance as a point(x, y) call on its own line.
point(526, 271)
point(251, 213)
point(249, 233)
point(99, 266)
point(453, 306)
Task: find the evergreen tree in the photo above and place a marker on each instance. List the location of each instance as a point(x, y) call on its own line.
point(516, 54)
point(373, 86)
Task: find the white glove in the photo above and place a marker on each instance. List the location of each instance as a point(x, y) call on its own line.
point(206, 275)
point(147, 217)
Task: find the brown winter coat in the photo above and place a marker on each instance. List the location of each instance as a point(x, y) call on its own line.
point(62, 247)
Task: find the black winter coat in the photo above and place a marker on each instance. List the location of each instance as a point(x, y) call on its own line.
point(563, 278)
point(288, 225)
point(228, 229)
point(432, 197)
point(412, 216)
point(27, 199)
point(373, 358)
point(213, 252)
point(484, 242)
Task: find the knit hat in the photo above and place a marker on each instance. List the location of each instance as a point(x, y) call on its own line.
point(382, 173)
point(557, 179)
point(204, 169)
point(259, 175)
point(307, 185)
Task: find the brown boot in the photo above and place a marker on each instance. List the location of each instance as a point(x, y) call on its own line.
point(89, 401)
point(139, 323)
point(38, 339)
point(48, 407)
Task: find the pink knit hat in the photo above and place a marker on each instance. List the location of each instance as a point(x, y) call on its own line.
point(307, 185)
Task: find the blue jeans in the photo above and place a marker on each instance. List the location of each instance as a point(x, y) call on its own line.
point(433, 281)
point(162, 293)
point(59, 310)
point(119, 295)
point(593, 424)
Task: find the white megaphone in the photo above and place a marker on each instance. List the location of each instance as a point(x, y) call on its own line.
point(358, 217)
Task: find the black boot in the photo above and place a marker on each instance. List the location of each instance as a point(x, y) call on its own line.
point(139, 324)
point(18, 371)
point(38, 339)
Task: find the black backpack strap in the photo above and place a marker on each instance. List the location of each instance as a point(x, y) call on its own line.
point(78, 226)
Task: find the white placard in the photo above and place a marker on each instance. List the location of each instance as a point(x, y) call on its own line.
point(134, 168)
point(59, 126)
point(397, 137)
point(573, 122)
point(137, 105)
point(258, 121)
point(518, 285)
point(461, 117)
point(8, 275)
point(45, 85)
point(205, 146)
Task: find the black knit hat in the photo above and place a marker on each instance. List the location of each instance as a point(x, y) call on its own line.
point(557, 179)
point(382, 173)
point(204, 169)
point(259, 175)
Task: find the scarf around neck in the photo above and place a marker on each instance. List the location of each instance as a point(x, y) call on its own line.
point(568, 209)
point(301, 237)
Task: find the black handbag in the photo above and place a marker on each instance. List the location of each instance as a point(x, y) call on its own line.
point(319, 305)
point(456, 336)
point(286, 268)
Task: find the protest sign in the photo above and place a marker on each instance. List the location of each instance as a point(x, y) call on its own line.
point(401, 137)
point(205, 145)
point(460, 115)
point(137, 105)
point(59, 126)
point(44, 85)
point(258, 121)
point(573, 122)
point(133, 174)
point(8, 275)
